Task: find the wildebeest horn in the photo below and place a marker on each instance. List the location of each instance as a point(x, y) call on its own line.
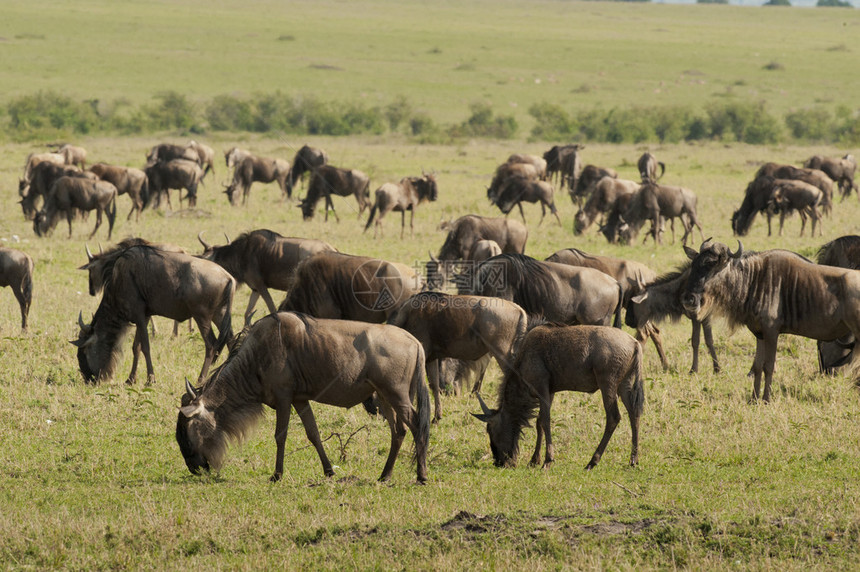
point(205, 244)
point(89, 254)
point(81, 320)
point(433, 258)
point(190, 389)
point(484, 408)
point(227, 237)
point(738, 252)
point(101, 250)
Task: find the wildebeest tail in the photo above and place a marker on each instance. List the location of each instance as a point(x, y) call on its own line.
point(619, 307)
point(636, 395)
point(370, 218)
point(225, 328)
point(419, 393)
point(145, 196)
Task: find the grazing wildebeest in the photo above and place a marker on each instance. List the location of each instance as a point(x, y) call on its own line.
point(327, 180)
point(843, 252)
point(566, 358)
point(16, 271)
point(306, 160)
point(463, 233)
point(34, 159)
point(507, 171)
point(795, 195)
point(515, 190)
point(484, 249)
point(127, 180)
point(655, 203)
point(141, 280)
point(586, 181)
point(71, 194)
point(840, 170)
point(565, 161)
point(234, 155)
point(341, 286)
point(659, 299)
point(461, 327)
point(758, 198)
point(403, 196)
point(263, 259)
point(253, 169)
point(166, 152)
point(648, 164)
point(772, 293)
point(205, 156)
point(811, 176)
point(175, 174)
point(614, 224)
point(630, 275)
point(538, 163)
point(288, 360)
point(557, 292)
point(44, 176)
point(602, 198)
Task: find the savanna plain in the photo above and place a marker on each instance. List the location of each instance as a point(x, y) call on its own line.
point(91, 476)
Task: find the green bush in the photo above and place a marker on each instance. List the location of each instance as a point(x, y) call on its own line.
point(777, 3)
point(834, 4)
point(47, 112)
point(398, 112)
point(228, 113)
point(552, 122)
point(743, 122)
point(810, 124)
point(483, 123)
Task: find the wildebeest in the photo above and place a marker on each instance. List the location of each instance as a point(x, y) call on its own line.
point(811, 176)
point(73, 155)
point(288, 360)
point(234, 155)
point(205, 157)
point(342, 286)
point(840, 170)
point(16, 271)
point(463, 233)
point(556, 292)
point(648, 164)
point(630, 275)
point(772, 293)
point(572, 358)
point(538, 163)
point(175, 174)
point(659, 299)
point(263, 259)
point(613, 226)
point(253, 169)
point(140, 280)
point(43, 177)
point(758, 198)
point(654, 202)
point(166, 152)
point(484, 249)
point(795, 195)
point(507, 171)
point(843, 252)
point(306, 160)
point(564, 160)
point(516, 190)
point(127, 180)
point(68, 195)
point(34, 159)
point(587, 179)
point(602, 198)
point(461, 327)
point(403, 196)
point(327, 180)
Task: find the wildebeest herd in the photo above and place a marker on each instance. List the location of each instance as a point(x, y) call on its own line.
point(357, 329)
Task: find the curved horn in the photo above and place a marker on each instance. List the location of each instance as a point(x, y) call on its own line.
point(89, 254)
point(190, 389)
point(81, 320)
point(205, 244)
point(101, 250)
point(227, 237)
point(484, 408)
point(433, 258)
point(739, 251)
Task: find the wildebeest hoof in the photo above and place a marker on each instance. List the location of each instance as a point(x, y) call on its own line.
point(535, 461)
point(129, 381)
point(329, 473)
point(275, 478)
point(547, 465)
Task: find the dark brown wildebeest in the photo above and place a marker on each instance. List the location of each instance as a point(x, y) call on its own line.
point(516, 190)
point(603, 197)
point(403, 196)
point(841, 171)
point(253, 169)
point(614, 224)
point(811, 176)
point(176, 174)
point(843, 252)
point(758, 198)
point(538, 163)
point(288, 360)
point(564, 160)
point(69, 195)
point(772, 293)
point(326, 181)
point(205, 157)
point(165, 152)
point(234, 155)
point(306, 160)
point(557, 292)
point(795, 195)
point(586, 181)
point(342, 286)
point(566, 358)
point(630, 275)
point(34, 159)
point(127, 180)
point(660, 299)
point(463, 233)
point(461, 327)
point(648, 164)
point(44, 176)
point(16, 271)
point(655, 203)
point(507, 171)
point(263, 259)
point(141, 280)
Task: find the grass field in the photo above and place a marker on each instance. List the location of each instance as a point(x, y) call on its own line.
point(91, 477)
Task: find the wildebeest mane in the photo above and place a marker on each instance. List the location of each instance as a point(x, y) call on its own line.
point(530, 281)
point(843, 252)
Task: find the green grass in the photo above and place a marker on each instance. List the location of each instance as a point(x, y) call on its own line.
point(91, 477)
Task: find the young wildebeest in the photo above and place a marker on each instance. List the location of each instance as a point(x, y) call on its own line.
point(586, 181)
point(538, 163)
point(614, 224)
point(515, 190)
point(205, 155)
point(176, 174)
point(564, 161)
point(557, 292)
point(141, 280)
point(43, 178)
point(790, 195)
point(603, 196)
point(462, 327)
point(127, 180)
point(254, 169)
point(403, 196)
point(16, 271)
point(71, 194)
point(661, 299)
point(840, 170)
point(327, 180)
point(648, 164)
point(263, 259)
point(811, 176)
point(772, 293)
point(654, 203)
point(234, 155)
point(630, 275)
point(288, 360)
point(73, 155)
point(843, 252)
point(758, 198)
point(594, 358)
point(306, 160)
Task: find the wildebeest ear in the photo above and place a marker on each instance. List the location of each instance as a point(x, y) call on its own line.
point(691, 254)
point(191, 410)
point(482, 416)
point(639, 298)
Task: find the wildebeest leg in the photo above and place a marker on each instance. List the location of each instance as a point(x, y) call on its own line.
point(535, 460)
point(802, 213)
point(613, 416)
point(522, 214)
point(23, 303)
point(98, 222)
point(694, 342)
point(282, 422)
point(758, 364)
point(398, 432)
point(770, 343)
point(709, 341)
point(209, 341)
point(781, 220)
point(403, 224)
point(135, 353)
point(252, 301)
point(816, 220)
point(433, 374)
point(69, 216)
point(543, 421)
point(303, 408)
point(267, 298)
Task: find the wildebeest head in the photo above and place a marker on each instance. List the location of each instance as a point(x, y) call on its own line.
point(41, 225)
point(230, 191)
point(580, 221)
point(195, 433)
point(504, 437)
point(710, 260)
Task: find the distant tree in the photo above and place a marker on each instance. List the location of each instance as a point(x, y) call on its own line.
point(712, 1)
point(834, 4)
point(777, 3)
